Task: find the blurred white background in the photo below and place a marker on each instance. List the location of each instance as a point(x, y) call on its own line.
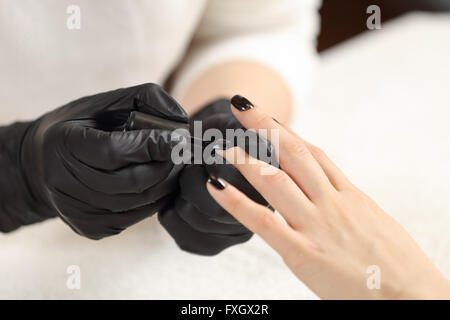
point(384, 119)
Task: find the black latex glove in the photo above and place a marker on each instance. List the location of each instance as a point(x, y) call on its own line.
point(78, 162)
point(195, 220)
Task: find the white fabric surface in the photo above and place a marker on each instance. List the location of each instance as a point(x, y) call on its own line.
point(381, 110)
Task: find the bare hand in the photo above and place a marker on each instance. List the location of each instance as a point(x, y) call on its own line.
point(330, 232)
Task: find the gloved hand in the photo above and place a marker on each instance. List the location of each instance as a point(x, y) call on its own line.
point(77, 162)
point(195, 220)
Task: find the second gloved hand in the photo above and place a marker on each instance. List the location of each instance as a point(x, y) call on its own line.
point(195, 220)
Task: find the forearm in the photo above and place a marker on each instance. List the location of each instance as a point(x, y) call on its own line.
point(263, 85)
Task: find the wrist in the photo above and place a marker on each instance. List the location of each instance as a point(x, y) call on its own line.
point(18, 203)
point(428, 287)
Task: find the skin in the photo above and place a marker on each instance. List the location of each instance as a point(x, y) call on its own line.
point(258, 82)
point(328, 231)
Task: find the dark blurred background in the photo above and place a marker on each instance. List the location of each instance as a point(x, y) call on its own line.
point(343, 19)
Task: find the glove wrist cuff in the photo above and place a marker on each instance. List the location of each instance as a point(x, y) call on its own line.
point(18, 205)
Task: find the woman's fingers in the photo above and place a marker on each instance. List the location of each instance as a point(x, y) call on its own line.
point(292, 203)
point(294, 157)
point(334, 174)
point(256, 218)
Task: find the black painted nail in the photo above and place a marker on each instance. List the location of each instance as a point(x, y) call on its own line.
point(217, 183)
point(241, 103)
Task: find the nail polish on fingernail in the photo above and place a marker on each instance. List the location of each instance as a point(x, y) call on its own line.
point(217, 183)
point(241, 103)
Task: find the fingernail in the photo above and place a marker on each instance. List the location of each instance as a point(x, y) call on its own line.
point(217, 183)
point(241, 103)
